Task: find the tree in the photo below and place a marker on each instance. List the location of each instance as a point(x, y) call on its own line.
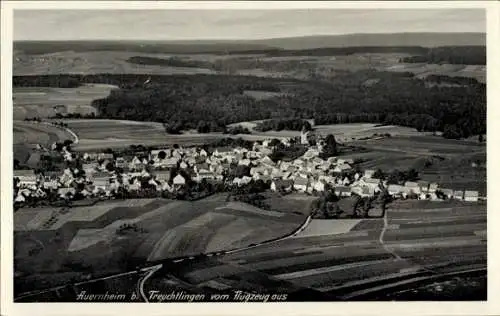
point(68, 143)
point(162, 154)
point(379, 174)
point(274, 142)
point(330, 146)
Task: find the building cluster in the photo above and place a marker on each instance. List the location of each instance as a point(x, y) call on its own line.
point(168, 170)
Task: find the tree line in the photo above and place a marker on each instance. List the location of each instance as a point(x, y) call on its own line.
point(462, 55)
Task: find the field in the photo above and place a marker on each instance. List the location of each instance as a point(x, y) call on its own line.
point(93, 63)
point(255, 65)
point(101, 133)
point(43, 102)
point(454, 164)
point(331, 256)
point(86, 239)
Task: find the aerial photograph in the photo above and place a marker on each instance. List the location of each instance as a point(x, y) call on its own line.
point(257, 155)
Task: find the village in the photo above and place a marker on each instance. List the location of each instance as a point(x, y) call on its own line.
point(166, 171)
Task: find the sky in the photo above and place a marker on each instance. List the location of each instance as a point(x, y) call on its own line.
point(236, 24)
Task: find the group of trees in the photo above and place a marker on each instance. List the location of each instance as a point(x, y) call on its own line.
point(33, 119)
point(283, 124)
point(287, 153)
point(169, 62)
point(463, 55)
point(210, 103)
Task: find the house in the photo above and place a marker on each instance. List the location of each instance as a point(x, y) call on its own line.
point(90, 168)
point(26, 177)
point(171, 162)
point(363, 190)
point(136, 164)
point(342, 191)
point(300, 184)
point(162, 176)
point(284, 165)
point(102, 182)
point(20, 198)
point(120, 162)
point(179, 180)
point(66, 192)
point(104, 156)
point(342, 168)
point(236, 181)
point(201, 167)
point(281, 185)
point(433, 187)
point(67, 177)
point(246, 180)
point(319, 186)
point(267, 161)
point(244, 162)
point(458, 195)
point(448, 193)
point(471, 196)
point(167, 187)
point(183, 165)
point(369, 173)
point(395, 189)
point(413, 187)
point(371, 182)
point(204, 175)
point(424, 186)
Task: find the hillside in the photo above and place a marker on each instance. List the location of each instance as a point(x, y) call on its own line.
point(293, 43)
point(395, 39)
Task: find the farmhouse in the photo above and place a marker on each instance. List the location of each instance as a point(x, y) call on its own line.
point(471, 196)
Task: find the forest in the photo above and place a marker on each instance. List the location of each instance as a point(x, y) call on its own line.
point(462, 55)
point(183, 101)
point(169, 62)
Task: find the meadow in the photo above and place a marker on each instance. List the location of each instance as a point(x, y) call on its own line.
point(46, 102)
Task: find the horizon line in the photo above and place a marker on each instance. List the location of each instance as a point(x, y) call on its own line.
point(234, 39)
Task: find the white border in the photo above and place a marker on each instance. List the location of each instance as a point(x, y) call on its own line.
point(492, 307)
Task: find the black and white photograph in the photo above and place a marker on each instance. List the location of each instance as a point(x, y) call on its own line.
point(248, 155)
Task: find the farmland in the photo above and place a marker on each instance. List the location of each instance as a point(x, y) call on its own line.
point(260, 65)
point(44, 102)
point(94, 240)
point(102, 133)
point(331, 257)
